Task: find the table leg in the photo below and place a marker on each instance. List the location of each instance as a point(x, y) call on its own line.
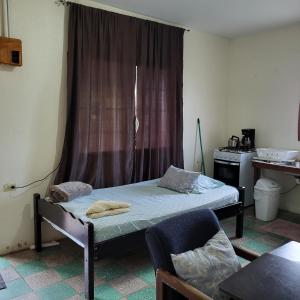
point(257, 174)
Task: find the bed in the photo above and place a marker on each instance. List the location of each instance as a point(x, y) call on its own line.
point(149, 205)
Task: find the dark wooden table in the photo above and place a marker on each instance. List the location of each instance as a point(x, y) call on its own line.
point(273, 276)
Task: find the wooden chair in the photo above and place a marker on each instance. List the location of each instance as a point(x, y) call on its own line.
point(176, 235)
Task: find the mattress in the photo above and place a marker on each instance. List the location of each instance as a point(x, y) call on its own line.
point(150, 204)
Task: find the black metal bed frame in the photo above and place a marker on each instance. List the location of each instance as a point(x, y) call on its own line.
point(82, 232)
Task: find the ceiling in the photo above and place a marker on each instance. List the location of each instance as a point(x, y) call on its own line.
point(228, 18)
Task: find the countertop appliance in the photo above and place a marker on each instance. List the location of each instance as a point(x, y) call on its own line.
point(234, 142)
point(233, 167)
point(248, 139)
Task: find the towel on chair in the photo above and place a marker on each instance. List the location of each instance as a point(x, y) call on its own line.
point(106, 208)
point(69, 190)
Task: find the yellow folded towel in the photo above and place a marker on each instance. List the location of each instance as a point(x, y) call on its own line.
point(107, 208)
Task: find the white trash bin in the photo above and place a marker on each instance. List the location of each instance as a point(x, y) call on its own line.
point(266, 196)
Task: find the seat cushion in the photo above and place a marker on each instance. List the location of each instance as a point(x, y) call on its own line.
point(206, 267)
point(179, 234)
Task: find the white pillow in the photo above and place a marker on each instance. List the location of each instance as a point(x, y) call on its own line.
point(179, 180)
point(206, 267)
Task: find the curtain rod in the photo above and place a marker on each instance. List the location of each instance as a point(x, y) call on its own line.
point(66, 3)
point(61, 2)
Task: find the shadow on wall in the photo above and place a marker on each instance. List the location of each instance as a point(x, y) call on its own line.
point(290, 190)
point(27, 214)
point(27, 217)
point(7, 68)
point(18, 244)
point(62, 111)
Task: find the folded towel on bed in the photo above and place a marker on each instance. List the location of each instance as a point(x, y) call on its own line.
point(69, 190)
point(107, 208)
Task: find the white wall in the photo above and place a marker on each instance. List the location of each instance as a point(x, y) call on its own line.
point(1, 20)
point(264, 93)
point(32, 101)
point(32, 114)
point(204, 92)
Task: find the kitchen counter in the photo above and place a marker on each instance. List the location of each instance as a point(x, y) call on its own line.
point(281, 167)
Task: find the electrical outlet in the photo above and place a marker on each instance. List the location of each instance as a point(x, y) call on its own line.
point(9, 187)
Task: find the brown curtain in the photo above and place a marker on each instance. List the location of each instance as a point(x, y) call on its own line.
point(159, 99)
point(121, 67)
point(99, 140)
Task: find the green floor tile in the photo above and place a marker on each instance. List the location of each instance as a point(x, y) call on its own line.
point(70, 269)
point(229, 229)
point(51, 250)
point(30, 268)
point(14, 289)
point(244, 262)
point(137, 264)
point(106, 292)
point(4, 263)
point(228, 221)
point(253, 223)
point(277, 236)
point(257, 246)
point(272, 240)
point(240, 242)
point(248, 221)
point(109, 272)
point(57, 291)
point(145, 294)
point(252, 234)
point(147, 274)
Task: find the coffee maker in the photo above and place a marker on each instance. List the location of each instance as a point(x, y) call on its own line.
point(248, 139)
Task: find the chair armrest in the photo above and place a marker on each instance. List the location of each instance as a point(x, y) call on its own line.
point(245, 253)
point(164, 278)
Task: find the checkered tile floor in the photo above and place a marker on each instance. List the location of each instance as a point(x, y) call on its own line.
point(56, 273)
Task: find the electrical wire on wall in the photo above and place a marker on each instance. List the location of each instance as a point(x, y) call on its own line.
point(36, 181)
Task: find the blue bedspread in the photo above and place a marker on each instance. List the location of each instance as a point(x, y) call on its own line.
point(149, 205)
